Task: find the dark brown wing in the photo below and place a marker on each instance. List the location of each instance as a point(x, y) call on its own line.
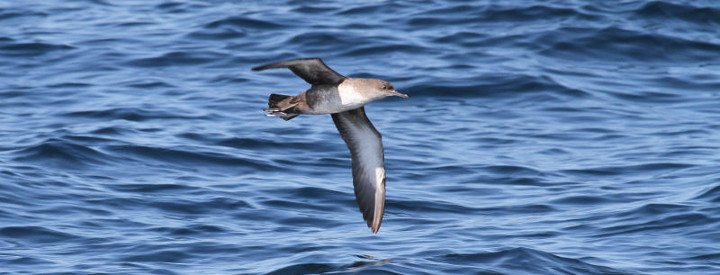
point(368, 166)
point(312, 70)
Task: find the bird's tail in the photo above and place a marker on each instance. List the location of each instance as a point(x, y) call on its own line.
point(281, 106)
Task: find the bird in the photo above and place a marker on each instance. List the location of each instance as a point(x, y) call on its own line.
point(343, 98)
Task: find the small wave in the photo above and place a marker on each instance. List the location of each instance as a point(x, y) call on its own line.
point(152, 188)
point(159, 255)
point(149, 84)
point(129, 114)
point(367, 9)
point(198, 207)
point(35, 234)
point(32, 49)
point(666, 11)
point(526, 13)
point(189, 158)
point(218, 33)
point(9, 14)
point(628, 169)
point(614, 44)
point(510, 261)
point(711, 194)
point(501, 86)
point(178, 59)
point(195, 230)
point(585, 200)
point(657, 224)
point(306, 268)
point(243, 22)
point(63, 153)
point(259, 143)
point(386, 49)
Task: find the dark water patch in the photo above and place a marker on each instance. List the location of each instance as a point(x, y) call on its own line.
point(191, 231)
point(307, 204)
point(321, 40)
point(31, 48)
point(129, 114)
point(164, 256)
point(244, 23)
point(110, 131)
point(629, 169)
point(12, 94)
point(614, 44)
point(258, 143)
point(316, 193)
point(179, 59)
point(492, 86)
point(518, 209)
point(309, 222)
point(527, 260)
point(367, 9)
point(13, 16)
point(664, 10)
point(176, 7)
point(663, 223)
point(199, 207)
point(386, 49)
point(218, 33)
point(499, 13)
point(514, 170)
point(655, 209)
point(434, 207)
point(150, 84)
point(304, 8)
point(69, 85)
point(699, 83)
point(309, 268)
point(146, 188)
point(585, 200)
point(25, 261)
point(62, 153)
point(464, 38)
point(185, 158)
point(87, 139)
point(647, 97)
point(711, 194)
point(35, 234)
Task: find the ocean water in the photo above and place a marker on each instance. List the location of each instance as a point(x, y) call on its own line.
point(540, 137)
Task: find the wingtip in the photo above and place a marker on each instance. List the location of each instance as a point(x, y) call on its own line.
point(375, 228)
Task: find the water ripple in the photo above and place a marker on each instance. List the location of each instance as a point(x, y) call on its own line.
point(539, 138)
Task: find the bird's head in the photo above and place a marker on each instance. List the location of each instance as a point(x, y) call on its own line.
point(383, 89)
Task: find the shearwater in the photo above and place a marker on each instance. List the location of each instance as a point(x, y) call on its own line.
point(344, 99)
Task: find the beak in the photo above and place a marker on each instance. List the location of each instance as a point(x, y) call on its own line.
point(396, 93)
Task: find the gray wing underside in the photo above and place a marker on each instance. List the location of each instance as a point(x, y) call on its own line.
point(312, 70)
point(368, 168)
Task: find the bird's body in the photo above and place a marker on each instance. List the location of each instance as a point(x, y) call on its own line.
point(343, 98)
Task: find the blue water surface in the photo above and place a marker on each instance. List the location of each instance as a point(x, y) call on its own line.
point(540, 137)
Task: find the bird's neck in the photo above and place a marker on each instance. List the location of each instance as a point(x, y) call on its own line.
point(352, 92)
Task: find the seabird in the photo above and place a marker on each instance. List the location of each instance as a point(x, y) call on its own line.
point(342, 98)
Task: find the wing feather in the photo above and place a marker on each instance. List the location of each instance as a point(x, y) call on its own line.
point(368, 168)
point(312, 70)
